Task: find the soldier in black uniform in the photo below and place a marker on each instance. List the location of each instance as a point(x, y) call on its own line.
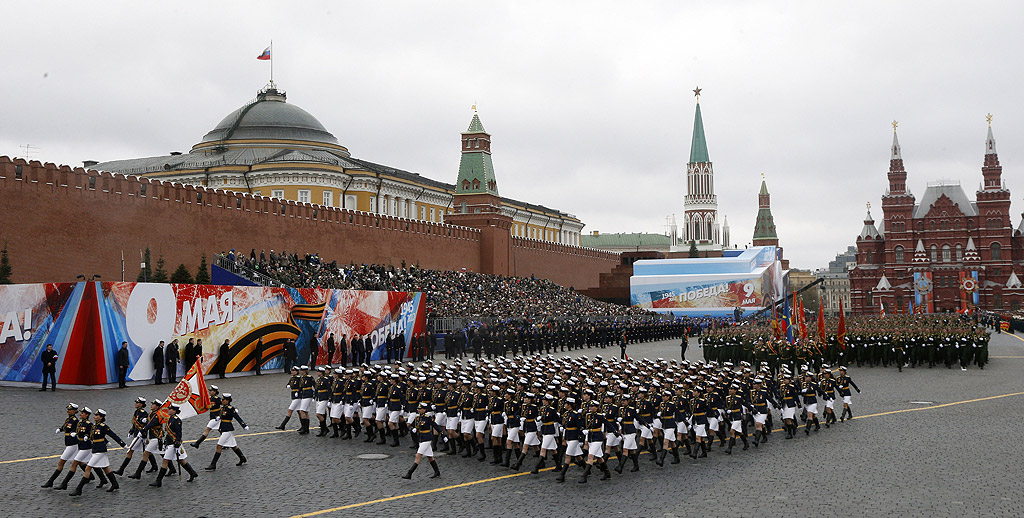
point(227, 433)
point(214, 422)
point(594, 434)
point(70, 444)
point(294, 384)
point(172, 446)
point(152, 433)
point(843, 384)
point(136, 442)
point(424, 430)
point(98, 437)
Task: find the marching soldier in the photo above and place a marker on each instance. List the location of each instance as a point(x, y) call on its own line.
point(152, 434)
point(136, 442)
point(214, 422)
point(70, 445)
point(98, 460)
point(843, 383)
point(83, 436)
point(424, 429)
point(173, 452)
point(294, 385)
point(227, 433)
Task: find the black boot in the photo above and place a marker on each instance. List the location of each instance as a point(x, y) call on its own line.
point(283, 423)
point(653, 449)
point(696, 448)
point(241, 456)
point(607, 474)
point(159, 478)
point(675, 455)
point(519, 461)
point(213, 462)
point(746, 445)
point(138, 471)
point(732, 441)
point(199, 441)
point(807, 429)
point(337, 432)
point(323, 428)
point(103, 478)
point(622, 462)
point(757, 437)
point(383, 433)
point(816, 425)
point(586, 473)
point(113, 482)
point(49, 483)
point(437, 472)
point(536, 469)
point(170, 469)
point(64, 483)
point(496, 454)
point(191, 472)
point(303, 426)
point(394, 438)
point(636, 462)
point(78, 490)
point(153, 468)
point(508, 458)
point(561, 474)
point(704, 450)
point(371, 434)
point(357, 428)
point(408, 474)
point(124, 464)
point(661, 458)
point(483, 452)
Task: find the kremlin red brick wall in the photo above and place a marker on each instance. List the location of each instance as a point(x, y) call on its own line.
point(60, 222)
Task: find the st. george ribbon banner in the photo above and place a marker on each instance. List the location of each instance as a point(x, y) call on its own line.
point(87, 322)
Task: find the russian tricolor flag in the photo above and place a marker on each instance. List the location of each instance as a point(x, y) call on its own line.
point(265, 55)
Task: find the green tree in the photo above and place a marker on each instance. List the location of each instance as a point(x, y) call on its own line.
point(146, 272)
point(693, 249)
point(5, 266)
point(181, 275)
point(203, 273)
point(160, 274)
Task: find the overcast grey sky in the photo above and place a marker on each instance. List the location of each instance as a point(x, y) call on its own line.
point(589, 103)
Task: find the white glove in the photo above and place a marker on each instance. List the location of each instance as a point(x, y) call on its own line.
point(57, 431)
point(73, 434)
point(247, 428)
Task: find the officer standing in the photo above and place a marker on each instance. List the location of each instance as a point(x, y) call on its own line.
point(158, 363)
point(123, 361)
point(49, 360)
point(171, 361)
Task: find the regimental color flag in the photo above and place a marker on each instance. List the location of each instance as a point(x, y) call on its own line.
point(265, 55)
point(821, 322)
point(190, 394)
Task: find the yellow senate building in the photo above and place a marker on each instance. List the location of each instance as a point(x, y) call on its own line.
point(271, 148)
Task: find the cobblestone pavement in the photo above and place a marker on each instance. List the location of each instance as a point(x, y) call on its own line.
point(913, 450)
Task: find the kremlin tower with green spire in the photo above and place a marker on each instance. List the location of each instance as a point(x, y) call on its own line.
point(700, 206)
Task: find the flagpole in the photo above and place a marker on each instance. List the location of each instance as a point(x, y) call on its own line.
point(271, 62)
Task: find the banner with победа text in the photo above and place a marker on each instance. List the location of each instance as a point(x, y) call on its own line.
point(87, 321)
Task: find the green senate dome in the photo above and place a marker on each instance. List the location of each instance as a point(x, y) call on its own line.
point(268, 120)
